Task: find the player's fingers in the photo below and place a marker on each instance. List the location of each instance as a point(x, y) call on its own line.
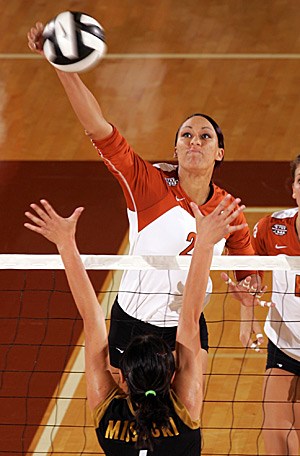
point(225, 277)
point(219, 210)
point(33, 228)
point(232, 211)
point(33, 34)
point(41, 212)
point(39, 26)
point(38, 221)
point(232, 228)
point(29, 36)
point(231, 208)
point(253, 290)
point(196, 211)
point(228, 281)
point(31, 42)
point(266, 303)
point(245, 283)
point(260, 293)
point(35, 38)
point(49, 209)
point(255, 346)
point(76, 214)
point(259, 338)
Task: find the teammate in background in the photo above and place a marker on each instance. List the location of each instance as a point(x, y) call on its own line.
point(277, 234)
point(161, 221)
point(161, 411)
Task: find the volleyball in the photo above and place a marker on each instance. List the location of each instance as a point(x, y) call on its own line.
point(73, 42)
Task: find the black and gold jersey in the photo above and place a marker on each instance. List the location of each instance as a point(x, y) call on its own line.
point(115, 427)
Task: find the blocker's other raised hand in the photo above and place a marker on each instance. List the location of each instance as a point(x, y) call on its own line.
point(216, 225)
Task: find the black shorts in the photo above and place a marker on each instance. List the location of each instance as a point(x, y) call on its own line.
point(123, 328)
point(277, 358)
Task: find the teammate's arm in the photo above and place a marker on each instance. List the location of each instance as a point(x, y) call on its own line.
point(251, 334)
point(82, 100)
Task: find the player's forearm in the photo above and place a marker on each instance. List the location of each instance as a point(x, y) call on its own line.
point(80, 285)
point(85, 106)
point(195, 287)
point(247, 313)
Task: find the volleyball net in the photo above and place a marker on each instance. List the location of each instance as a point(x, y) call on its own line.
point(42, 386)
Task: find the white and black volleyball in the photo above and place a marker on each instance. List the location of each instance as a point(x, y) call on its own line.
point(73, 42)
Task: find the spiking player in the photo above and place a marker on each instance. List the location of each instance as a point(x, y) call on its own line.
point(160, 217)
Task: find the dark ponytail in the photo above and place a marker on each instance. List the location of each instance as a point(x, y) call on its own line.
point(148, 366)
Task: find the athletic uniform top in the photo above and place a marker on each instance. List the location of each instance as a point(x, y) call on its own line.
point(161, 222)
point(115, 427)
point(274, 235)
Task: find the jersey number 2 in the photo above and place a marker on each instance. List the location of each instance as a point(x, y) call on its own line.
point(190, 238)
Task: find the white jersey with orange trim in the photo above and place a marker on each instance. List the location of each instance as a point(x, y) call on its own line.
point(161, 222)
point(276, 235)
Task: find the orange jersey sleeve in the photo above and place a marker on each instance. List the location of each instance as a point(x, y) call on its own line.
point(141, 182)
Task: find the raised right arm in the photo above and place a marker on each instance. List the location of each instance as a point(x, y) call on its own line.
point(82, 100)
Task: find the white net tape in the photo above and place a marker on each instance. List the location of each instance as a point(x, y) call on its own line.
point(165, 262)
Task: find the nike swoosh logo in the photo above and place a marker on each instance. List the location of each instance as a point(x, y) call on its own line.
point(179, 199)
point(121, 351)
point(280, 246)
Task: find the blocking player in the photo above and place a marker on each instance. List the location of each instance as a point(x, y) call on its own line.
point(159, 414)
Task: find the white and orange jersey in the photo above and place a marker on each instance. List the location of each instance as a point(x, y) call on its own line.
point(275, 235)
point(161, 222)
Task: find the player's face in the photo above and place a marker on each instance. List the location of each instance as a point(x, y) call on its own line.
point(296, 186)
point(197, 145)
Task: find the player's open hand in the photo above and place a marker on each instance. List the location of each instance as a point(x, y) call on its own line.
point(35, 38)
point(245, 293)
point(217, 225)
point(45, 221)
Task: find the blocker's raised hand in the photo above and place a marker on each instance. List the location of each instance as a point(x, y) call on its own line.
point(45, 221)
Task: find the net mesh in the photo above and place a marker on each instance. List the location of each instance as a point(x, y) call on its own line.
point(42, 386)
